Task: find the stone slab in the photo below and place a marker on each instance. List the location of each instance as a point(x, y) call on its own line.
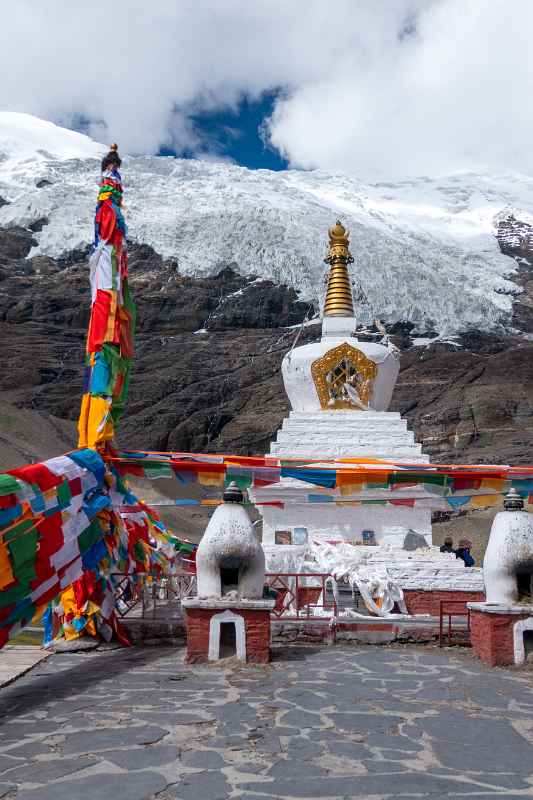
point(102, 739)
point(143, 758)
point(209, 785)
point(43, 771)
point(17, 660)
point(247, 605)
point(138, 786)
point(501, 608)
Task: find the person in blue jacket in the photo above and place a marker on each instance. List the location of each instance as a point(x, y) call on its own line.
point(463, 551)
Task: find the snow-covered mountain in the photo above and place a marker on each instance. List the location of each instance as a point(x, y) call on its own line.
point(425, 249)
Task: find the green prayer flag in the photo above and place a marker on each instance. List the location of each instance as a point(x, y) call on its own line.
point(158, 471)
point(64, 495)
point(19, 530)
point(8, 484)
point(14, 594)
point(92, 534)
point(242, 481)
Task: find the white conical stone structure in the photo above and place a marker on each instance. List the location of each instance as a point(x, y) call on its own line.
point(509, 553)
point(230, 541)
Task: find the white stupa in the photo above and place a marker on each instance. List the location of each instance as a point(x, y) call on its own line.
point(340, 389)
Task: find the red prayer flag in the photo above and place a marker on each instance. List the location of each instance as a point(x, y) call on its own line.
point(38, 474)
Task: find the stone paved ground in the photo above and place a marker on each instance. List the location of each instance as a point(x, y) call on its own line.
point(336, 722)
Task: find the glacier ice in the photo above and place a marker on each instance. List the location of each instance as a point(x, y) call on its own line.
point(425, 248)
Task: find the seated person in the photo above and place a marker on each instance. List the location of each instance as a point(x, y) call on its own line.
point(447, 547)
point(463, 552)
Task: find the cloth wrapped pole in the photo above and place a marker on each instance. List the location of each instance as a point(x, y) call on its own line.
point(109, 351)
point(109, 348)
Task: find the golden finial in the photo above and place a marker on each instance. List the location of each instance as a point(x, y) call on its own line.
point(338, 234)
point(339, 300)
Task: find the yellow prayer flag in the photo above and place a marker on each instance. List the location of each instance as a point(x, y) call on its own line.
point(485, 501)
point(348, 483)
point(6, 573)
point(95, 424)
point(68, 601)
point(83, 420)
point(211, 478)
point(498, 484)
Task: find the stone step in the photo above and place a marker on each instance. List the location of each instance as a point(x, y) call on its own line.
point(354, 437)
point(400, 454)
point(349, 440)
point(378, 439)
point(346, 422)
point(377, 415)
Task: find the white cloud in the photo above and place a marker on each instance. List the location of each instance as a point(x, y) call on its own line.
point(372, 86)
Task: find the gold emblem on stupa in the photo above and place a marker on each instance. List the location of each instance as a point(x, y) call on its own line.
point(343, 378)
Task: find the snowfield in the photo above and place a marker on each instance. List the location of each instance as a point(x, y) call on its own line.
point(424, 248)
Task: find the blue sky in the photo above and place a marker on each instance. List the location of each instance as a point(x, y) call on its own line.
point(236, 134)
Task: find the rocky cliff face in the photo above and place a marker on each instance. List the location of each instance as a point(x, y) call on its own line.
point(208, 351)
point(207, 367)
point(470, 402)
point(515, 238)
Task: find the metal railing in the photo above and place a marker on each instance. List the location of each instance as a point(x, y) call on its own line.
point(301, 596)
point(304, 597)
point(151, 596)
point(464, 613)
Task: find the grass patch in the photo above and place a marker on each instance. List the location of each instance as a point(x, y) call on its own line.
point(28, 638)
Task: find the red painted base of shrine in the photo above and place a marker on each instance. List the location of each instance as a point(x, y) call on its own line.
point(419, 601)
point(492, 636)
point(256, 629)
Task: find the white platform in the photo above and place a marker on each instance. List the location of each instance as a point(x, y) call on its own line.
point(426, 570)
point(343, 434)
point(347, 434)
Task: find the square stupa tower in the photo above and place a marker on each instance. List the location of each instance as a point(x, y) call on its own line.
point(339, 389)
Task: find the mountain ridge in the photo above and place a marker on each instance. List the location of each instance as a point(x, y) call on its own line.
point(206, 373)
point(425, 249)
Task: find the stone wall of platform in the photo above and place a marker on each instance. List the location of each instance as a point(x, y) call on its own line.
point(419, 601)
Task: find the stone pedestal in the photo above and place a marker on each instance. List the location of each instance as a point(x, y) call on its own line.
point(343, 433)
point(500, 633)
point(204, 619)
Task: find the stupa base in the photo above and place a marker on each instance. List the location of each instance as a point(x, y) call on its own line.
point(501, 634)
point(218, 629)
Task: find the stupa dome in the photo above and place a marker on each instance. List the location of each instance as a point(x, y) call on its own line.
point(340, 372)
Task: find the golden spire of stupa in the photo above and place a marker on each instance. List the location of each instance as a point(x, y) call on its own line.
point(339, 300)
